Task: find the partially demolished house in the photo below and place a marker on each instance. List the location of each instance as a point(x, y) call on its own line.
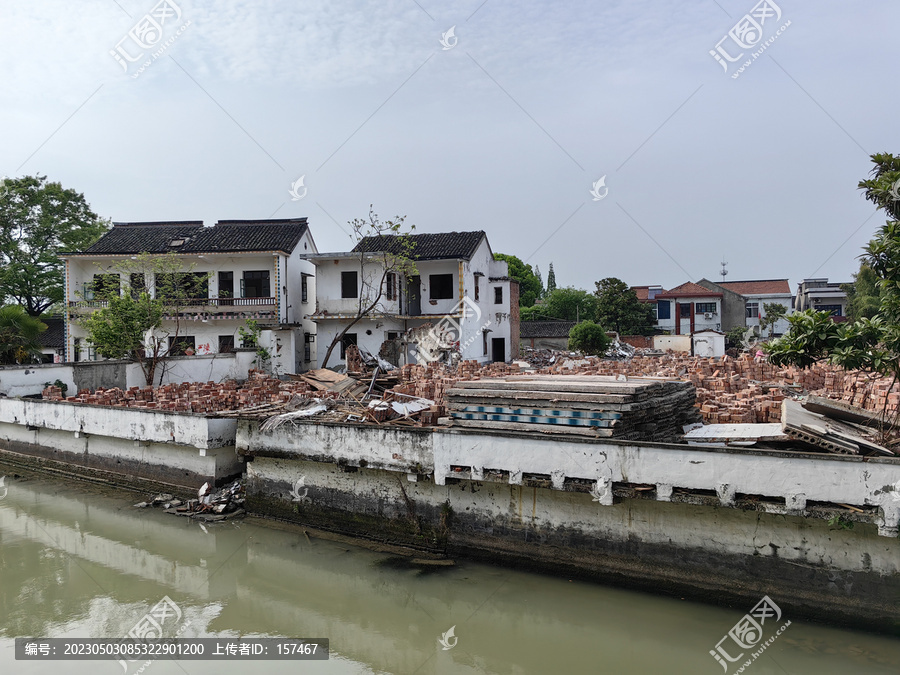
point(457, 304)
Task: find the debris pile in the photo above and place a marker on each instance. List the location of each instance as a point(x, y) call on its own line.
point(209, 506)
point(814, 425)
point(636, 409)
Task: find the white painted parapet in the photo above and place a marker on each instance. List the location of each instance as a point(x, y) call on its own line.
point(128, 423)
point(794, 477)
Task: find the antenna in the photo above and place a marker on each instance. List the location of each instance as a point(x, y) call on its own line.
point(723, 272)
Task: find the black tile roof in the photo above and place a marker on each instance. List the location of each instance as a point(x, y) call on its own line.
point(55, 335)
point(227, 236)
point(438, 246)
point(545, 329)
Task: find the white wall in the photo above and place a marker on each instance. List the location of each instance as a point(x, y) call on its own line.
point(709, 344)
point(132, 424)
point(677, 343)
point(30, 380)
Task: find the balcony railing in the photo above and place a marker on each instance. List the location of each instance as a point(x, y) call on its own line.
point(188, 303)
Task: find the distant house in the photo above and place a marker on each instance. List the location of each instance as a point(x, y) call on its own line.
point(689, 308)
point(238, 269)
point(545, 334)
point(718, 306)
point(822, 295)
point(758, 293)
point(458, 287)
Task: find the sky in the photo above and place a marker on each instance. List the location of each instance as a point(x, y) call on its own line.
point(605, 138)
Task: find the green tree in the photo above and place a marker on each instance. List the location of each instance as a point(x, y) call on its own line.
point(19, 335)
point(529, 284)
point(537, 273)
point(866, 344)
point(38, 220)
point(864, 294)
point(619, 309)
point(563, 304)
point(772, 313)
point(136, 325)
point(589, 338)
point(382, 248)
point(551, 280)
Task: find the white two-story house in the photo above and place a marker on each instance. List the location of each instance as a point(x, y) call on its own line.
point(457, 290)
point(238, 270)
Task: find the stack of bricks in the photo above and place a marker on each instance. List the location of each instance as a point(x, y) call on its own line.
point(195, 397)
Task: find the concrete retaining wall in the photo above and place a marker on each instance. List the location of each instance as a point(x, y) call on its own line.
point(178, 448)
point(721, 526)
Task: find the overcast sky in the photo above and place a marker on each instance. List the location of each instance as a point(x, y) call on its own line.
point(504, 126)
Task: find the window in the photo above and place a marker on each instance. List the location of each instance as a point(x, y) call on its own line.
point(706, 308)
point(178, 346)
point(393, 335)
point(226, 344)
point(498, 295)
point(182, 285)
point(105, 286)
point(226, 288)
point(664, 309)
point(477, 287)
point(685, 312)
point(349, 288)
point(391, 286)
point(307, 347)
point(349, 339)
point(256, 284)
point(76, 350)
point(484, 341)
point(834, 309)
point(751, 310)
point(138, 284)
point(441, 286)
point(304, 289)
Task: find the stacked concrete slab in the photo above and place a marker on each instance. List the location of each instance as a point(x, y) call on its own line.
point(603, 407)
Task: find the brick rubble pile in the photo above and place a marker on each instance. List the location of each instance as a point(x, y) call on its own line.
point(729, 390)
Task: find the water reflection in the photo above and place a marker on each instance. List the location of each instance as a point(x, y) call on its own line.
point(86, 564)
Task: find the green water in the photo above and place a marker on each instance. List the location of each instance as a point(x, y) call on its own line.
point(78, 562)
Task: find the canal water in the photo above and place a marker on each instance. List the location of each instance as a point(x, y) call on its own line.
point(79, 562)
